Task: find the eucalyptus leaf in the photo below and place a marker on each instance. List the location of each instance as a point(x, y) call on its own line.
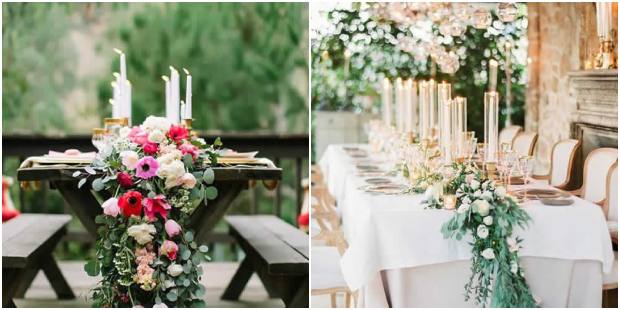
point(208, 176)
point(189, 236)
point(172, 295)
point(210, 192)
point(90, 170)
point(98, 185)
point(203, 249)
point(76, 174)
point(81, 183)
point(92, 268)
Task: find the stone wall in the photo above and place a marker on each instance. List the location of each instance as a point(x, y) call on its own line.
point(562, 36)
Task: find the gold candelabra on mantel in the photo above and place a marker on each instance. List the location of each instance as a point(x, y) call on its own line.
point(606, 56)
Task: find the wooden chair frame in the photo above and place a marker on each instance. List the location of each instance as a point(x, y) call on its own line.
point(614, 237)
point(569, 168)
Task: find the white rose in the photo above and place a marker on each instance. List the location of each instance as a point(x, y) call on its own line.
point(513, 245)
point(481, 207)
point(156, 123)
point(485, 184)
point(474, 184)
point(464, 207)
point(156, 136)
point(477, 193)
point(488, 254)
point(482, 232)
point(169, 284)
point(175, 269)
point(129, 159)
point(466, 200)
point(500, 191)
point(142, 233)
point(487, 195)
point(514, 267)
point(174, 169)
point(488, 220)
point(169, 157)
point(160, 305)
point(188, 180)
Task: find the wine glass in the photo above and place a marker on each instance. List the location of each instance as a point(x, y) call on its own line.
point(526, 165)
point(98, 138)
point(480, 151)
point(471, 148)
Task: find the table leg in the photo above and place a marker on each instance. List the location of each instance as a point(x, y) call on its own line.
point(56, 279)
point(300, 299)
point(205, 217)
point(82, 202)
point(11, 280)
point(239, 280)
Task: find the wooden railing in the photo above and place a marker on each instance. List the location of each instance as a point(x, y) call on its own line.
point(280, 148)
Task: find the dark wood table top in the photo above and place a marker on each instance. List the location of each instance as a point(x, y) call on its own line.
point(65, 173)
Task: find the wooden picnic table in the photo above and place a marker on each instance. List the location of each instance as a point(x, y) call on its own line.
point(86, 203)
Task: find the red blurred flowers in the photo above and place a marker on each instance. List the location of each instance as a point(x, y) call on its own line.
point(177, 133)
point(150, 148)
point(156, 205)
point(131, 203)
point(124, 179)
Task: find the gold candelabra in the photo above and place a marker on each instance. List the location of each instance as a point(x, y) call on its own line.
point(606, 57)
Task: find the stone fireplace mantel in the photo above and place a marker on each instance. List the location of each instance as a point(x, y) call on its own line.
point(594, 94)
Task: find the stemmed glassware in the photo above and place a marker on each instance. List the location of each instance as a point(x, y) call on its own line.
point(99, 138)
point(526, 165)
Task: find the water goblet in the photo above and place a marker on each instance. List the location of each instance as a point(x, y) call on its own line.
point(98, 138)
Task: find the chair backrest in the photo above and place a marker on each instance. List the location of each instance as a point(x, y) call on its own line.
point(562, 156)
point(508, 134)
point(611, 206)
point(524, 143)
point(595, 170)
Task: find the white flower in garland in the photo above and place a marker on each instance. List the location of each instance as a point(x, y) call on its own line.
point(513, 245)
point(474, 184)
point(488, 220)
point(514, 267)
point(482, 232)
point(156, 136)
point(477, 193)
point(143, 233)
point(463, 208)
point(500, 191)
point(466, 200)
point(487, 195)
point(129, 159)
point(175, 269)
point(488, 254)
point(481, 207)
point(160, 305)
point(156, 123)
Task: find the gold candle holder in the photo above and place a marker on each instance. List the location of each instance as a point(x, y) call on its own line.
point(606, 58)
point(449, 201)
point(491, 170)
point(187, 123)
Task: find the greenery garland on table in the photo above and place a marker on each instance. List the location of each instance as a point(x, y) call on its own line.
point(158, 174)
point(490, 215)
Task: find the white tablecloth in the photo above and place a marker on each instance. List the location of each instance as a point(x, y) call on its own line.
point(395, 233)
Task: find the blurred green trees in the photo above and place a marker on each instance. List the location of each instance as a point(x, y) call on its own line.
point(248, 61)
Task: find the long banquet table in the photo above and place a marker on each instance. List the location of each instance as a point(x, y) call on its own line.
point(397, 256)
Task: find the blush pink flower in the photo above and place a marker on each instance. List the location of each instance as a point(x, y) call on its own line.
point(188, 148)
point(172, 228)
point(146, 167)
point(169, 248)
point(138, 136)
point(154, 206)
point(111, 208)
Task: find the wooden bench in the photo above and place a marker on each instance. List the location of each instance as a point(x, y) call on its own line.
point(27, 244)
point(277, 252)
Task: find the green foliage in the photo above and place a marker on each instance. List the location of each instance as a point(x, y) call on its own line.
point(36, 66)
point(380, 58)
point(243, 59)
point(489, 216)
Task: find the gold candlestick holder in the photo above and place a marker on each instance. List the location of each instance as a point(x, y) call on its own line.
point(606, 57)
point(490, 169)
point(187, 123)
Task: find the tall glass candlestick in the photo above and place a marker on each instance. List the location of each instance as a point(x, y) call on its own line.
point(387, 102)
point(444, 93)
point(491, 120)
point(408, 86)
point(424, 110)
point(493, 74)
point(446, 130)
point(460, 107)
point(399, 105)
point(434, 111)
point(508, 71)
